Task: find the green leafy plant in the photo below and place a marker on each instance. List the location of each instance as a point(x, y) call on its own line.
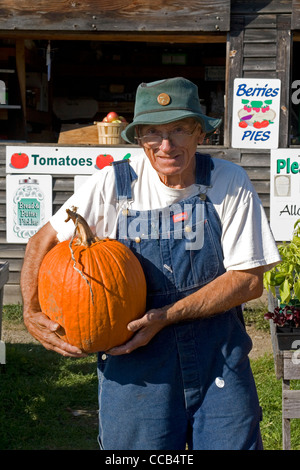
point(284, 279)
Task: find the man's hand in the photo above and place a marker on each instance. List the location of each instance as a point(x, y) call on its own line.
point(145, 329)
point(44, 330)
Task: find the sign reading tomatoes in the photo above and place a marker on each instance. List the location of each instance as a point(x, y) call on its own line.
point(64, 160)
point(255, 116)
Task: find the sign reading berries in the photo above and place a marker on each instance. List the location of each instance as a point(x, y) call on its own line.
point(255, 116)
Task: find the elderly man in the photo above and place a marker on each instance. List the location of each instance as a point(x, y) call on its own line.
point(199, 230)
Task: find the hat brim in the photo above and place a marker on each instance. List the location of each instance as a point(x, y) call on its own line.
point(208, 124)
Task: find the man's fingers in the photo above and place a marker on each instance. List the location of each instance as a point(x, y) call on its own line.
point(45, 331)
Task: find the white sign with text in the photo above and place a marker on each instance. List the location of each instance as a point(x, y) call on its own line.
point(284, 192)
point(28, 205)
point(255, 114)
point(63, 160)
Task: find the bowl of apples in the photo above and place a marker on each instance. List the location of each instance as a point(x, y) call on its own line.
point(110, 128)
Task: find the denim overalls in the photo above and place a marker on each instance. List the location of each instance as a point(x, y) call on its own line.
point(192, 384)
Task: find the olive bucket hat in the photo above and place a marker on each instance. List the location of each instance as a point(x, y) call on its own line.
point(165, 101)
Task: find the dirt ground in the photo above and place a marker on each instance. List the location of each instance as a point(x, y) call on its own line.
point(261, 342)
point(17, 333)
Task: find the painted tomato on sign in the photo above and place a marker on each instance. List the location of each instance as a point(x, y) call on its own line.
point(19, 160)
point(103, 160)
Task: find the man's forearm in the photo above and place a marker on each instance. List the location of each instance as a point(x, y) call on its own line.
point(36, 249)
point(227, 291)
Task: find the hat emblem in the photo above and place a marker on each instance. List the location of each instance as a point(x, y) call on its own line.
point(163, 99)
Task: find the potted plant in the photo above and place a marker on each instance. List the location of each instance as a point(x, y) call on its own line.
point(283, 282)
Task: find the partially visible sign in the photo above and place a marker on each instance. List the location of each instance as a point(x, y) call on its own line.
point(255, 115)
point(28, 205)
point(63, 160)
point(284, 192)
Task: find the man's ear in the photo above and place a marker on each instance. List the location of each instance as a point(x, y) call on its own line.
point(201, 138)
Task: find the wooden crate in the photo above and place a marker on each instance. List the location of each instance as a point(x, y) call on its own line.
point(287, 368)
point(109, 133)
point(74, 134)
point(287, 338)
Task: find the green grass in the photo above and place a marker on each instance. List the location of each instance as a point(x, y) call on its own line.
point(48, 402)
point(40, 396)
point(269, 389)
point(269, 392)
point(12, 313)
point(255, 316)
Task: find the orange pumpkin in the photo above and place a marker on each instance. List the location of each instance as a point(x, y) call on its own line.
point(93, 288)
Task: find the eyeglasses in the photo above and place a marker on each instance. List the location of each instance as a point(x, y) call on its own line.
point(178, 136)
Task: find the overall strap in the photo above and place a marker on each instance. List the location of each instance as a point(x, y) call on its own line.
point(124, 175)
point(204, 166)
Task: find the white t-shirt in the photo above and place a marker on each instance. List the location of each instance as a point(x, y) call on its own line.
point(247, 241)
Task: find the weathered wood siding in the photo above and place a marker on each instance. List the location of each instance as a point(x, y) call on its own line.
point(296, 14)
point(112, 15)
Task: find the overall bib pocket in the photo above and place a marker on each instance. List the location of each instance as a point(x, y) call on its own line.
point(176, 255)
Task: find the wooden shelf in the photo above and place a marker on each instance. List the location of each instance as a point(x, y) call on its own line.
point(10, 106)
point(13, 68)
point(128, 71)
point(123, 107)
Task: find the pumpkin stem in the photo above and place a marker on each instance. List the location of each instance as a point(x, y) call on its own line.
point(84, 234)
point(85, 237)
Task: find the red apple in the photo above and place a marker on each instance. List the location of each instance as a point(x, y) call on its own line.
point(103, 160)
point(111, 116)
point(19, 160)
point(122, 119)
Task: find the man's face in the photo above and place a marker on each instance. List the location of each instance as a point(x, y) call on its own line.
point(171, 149)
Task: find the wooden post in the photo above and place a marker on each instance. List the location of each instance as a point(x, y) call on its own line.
point(283, 65)
point(21, 71)
point(234, 67)
point(4, 273)
point(286, 423)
